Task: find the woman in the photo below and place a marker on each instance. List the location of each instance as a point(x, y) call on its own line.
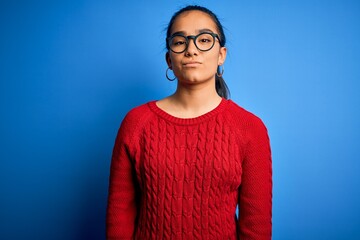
point(181, 165)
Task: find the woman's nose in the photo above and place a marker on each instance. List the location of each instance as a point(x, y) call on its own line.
point(191, 48)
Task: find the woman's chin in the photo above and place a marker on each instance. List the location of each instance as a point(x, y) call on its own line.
point(192, 78)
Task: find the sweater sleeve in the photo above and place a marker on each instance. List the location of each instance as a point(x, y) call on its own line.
point(122, 196)
point(255, 192)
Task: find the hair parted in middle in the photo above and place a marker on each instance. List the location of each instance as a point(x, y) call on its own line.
point(221, 87)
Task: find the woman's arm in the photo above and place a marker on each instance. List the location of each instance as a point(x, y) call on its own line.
point(122, 202)
point(255, 192)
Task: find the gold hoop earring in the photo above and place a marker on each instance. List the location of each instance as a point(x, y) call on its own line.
point(170, 79)
point(218, 70)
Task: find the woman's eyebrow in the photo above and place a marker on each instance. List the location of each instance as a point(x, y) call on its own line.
point(205, 30)
point(178, 33)
point(199, 31)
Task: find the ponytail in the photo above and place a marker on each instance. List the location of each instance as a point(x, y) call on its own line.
point(221, 87)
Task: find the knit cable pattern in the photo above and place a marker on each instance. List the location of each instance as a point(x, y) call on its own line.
point(174, 178)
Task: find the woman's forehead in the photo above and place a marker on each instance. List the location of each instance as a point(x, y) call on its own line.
point(193, 22)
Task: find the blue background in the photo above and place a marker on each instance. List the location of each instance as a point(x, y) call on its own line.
point(70, 70)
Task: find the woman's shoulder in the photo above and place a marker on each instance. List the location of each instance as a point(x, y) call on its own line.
point(138, 111)
point(243, 116)
point(137, 114)
point(133, 122)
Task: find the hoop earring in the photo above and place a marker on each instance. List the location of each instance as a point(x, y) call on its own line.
point(218, 70)
point(170, 79)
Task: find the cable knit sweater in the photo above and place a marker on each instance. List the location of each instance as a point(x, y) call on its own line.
point(175, 178)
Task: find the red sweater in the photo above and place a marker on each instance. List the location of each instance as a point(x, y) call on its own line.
point(174, 178)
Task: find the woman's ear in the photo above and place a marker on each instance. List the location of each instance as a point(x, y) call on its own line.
point(168, 60)
point(222, 56)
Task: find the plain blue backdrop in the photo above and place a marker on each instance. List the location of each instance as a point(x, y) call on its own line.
point(70, 70)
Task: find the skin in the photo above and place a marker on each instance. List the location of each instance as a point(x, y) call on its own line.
point(195, 70)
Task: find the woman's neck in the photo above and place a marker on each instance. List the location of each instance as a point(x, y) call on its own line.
point(196, 98)
point(191, 101)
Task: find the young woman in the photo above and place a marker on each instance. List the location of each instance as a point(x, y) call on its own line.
point(181, 165)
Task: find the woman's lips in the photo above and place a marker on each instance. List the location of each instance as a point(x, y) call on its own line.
point(191, 64)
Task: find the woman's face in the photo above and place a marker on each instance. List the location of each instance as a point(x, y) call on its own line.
point(195, 66)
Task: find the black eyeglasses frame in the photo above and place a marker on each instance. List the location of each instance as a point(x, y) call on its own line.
point(193, 37)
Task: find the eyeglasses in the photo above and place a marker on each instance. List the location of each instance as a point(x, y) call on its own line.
point(178, 43)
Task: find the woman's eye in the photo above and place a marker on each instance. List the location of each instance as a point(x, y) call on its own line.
point(205, 40)
point(179, 43)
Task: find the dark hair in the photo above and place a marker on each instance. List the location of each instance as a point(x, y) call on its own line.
point(220, 85)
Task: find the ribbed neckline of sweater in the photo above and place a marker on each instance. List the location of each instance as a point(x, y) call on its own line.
point(188, 121)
